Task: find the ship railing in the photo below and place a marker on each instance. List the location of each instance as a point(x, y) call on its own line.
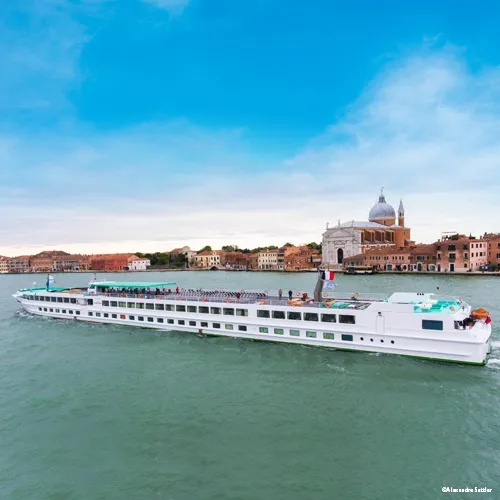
point(185, 297)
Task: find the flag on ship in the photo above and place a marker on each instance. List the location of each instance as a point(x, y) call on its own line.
point(329, 285)
point(50, 279)
point(328, 275)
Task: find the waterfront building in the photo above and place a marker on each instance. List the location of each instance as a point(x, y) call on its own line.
point(112, 262)
point(138, 264)
point(268, 259)
point(185, 250)
point(416, 258)
point(4, 266)
point(493, 240)
point(43, 262)
point(234, 260)
point(207, 260)
point(19, 264)
point(302, 257)
point(382, 229)
point(67, 262)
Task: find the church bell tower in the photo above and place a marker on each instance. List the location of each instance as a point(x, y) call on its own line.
point(401, 214)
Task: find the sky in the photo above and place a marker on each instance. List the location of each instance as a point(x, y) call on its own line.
point(144, 125)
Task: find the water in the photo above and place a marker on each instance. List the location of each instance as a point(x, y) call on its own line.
point(106, 412)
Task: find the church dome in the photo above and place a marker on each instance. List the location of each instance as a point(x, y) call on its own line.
point(381, 210)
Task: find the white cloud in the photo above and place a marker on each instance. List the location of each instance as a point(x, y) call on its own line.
point(426, 129)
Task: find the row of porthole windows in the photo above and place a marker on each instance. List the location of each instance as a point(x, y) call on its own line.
point(169, 321)
point(58, 311)
point(309, 334)
point(371, 340)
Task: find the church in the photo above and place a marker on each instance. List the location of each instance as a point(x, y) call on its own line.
point(355, 237)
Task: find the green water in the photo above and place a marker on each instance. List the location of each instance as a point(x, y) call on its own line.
point(106, 412)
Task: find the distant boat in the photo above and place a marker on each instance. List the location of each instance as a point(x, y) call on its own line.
point(361, 270)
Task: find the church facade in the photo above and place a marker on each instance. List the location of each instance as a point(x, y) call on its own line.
point(382, 229)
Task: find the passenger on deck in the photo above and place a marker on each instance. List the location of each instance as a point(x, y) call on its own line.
point(177, 290)
point(290, 294)
point(280, 293)
point(238, 295)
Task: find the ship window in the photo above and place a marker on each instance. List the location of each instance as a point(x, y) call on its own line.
point(122, 304)
point(42, 298)
point(228, 311)
point(139, 305)
point(311, 335)
point(294, 315)
point(241, 312)
point(191, 309)
point(392, 341)
point(131, 318)
point(347, 318)
point(215, 325)
point(53, 299)
point(180, 308)
point(106, 315)
point(114, 316)
point(242, 328)
point(64, 311)
point(229, 327)
point(170, 321)
point(150, 319)
point(159, 307)
point(122, 316)
point(91, 313)
point(66, 300)
point(215, 310)
point(69, 312)
point(192, 323)
point(295, 333)
point(114, 303)
point(310, 317)
point(149, 305)
point(279, 331)
point(279, 314)
point(159, 320)
point(73, 301)
point(328, 336)
point(51, 310)
point(59, 299)
point(348, 337)
point(329, 318)
point(76, 312)
point(263, 329)
point(203, 310)
point(432, 324)
point(45, 309)
point(169, 307)
point(130, 305)
point(105, 303)
point(262, 313)
point(39, 308)
point(140, 318)
point(181, 322)
point(204, 324)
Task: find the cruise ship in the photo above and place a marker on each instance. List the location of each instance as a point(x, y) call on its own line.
point(419, 325)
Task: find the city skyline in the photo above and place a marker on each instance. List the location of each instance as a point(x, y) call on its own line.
point(149, 125)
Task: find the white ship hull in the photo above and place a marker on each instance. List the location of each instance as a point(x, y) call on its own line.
point(382, 327)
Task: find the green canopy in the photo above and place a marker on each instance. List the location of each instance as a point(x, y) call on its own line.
point(139, 284)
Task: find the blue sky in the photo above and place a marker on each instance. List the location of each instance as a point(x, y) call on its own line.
point(147, 124)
